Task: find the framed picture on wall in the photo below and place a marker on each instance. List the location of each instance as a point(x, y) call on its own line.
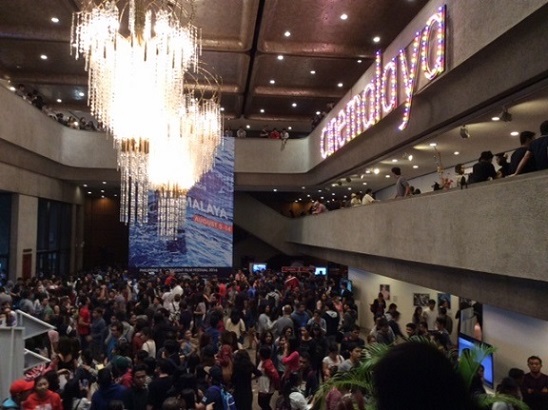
point(421, 299)
point(444, 299)
point(385, 290)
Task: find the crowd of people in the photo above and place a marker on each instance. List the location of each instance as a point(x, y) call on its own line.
point(171, 341)
point(38, 101)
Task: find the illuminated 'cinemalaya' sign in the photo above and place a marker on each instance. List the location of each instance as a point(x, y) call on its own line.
point(396, 80)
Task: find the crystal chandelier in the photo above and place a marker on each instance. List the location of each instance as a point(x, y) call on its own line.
point(144, 85)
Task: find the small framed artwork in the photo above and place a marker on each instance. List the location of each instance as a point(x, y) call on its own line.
point(444, 300)
point(421, 299)
point(385, 290)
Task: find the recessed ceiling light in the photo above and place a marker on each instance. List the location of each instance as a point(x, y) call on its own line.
point(104, 182)
point(376, 171)
point(350, 188)
point(272, 81)
point(415, 166)
point(321, 197)
point(262, 110)
point(248, 126)
point(433, 144)
point(318, 113)
point(312, 72)
point(333, 193)
point(12, 88)
point(340, 85)
point(102, 191)
point(290, 128)
point(294, 104)
point(280, 57)
point(410, 157)
point(394, 160)
point(367, 171)
point(296, 200)
point(287, 33)
point(319, 190)
point(300, 199)
point(364, 183)
point(54, 20)
point(102, 196)
point(495, 118)
point(456, 153)
point(303, 187)
point(514, 133)
point(115, 194)
point(89, 192)
point(44, 57)
point(387, 176)
point(344, 16)
point(275, 190)
point(344, 197)
point(85, 185)
point(81, 93)
point(59, 100)
point(308, 196)
point(359, 61)
point(376, 39)
point(222, 108)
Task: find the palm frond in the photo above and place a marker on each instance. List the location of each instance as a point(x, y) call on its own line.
point(486, 401)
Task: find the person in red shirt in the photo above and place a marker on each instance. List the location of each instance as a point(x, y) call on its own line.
point(84, 323)
point(42, 397)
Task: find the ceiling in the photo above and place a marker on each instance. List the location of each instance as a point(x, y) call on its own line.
point(242, 41)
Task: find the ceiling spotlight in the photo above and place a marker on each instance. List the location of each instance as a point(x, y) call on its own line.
point(290, 128)
point(287, 33)
point(505, 115)
point(456, 153)
point(312, 72)
point(394, 160)
point(415, 166)
point(104, 182)
point(303, 187)
point(387, 176)
point(495, 118)
point(81, 94)
point(89, 192)
point(376, 39)
point(294, 104)
point(85, 185)
point(272, 82)
point(44, 57)
point(340, 85)
point(54, 20)
point(367, 171)
point(12, 88)
point(275, 190)
point(376, 171)
point(308, 196)
point(102, 191)
point(59, 100)
point(350, 188)
point(319, 190)
point(359, 61)
point(262, 110)
point(433, 144)
point(464, 133)
point(410, 157)
point(248, 126)
point(280, 57)
point(364, 183)
point(514, 133)
point(318, 113)
point(344, 16)
point(333, 193)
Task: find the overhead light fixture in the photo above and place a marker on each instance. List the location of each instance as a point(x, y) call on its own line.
point(456, 153)
point(290, 128)
point(376, 171)
point(104, 182)
point(312, 72)
point(280, 57)
point(387, 176)
point(344, 16)
point(415, 166)
point(54, 20)
point(81, 94)
point(464, 133)
point(367, 171)
point(89, 192)
point(376, 39)
point(495, 118)
point(12, 88)
point(262, 110)
point(248, 126)
point(85, 185)
point(158, 49)
point(272, 81)
point(275, 190)
point(410, 157)
point(59, 100)
point(514, 133)
point(287, 33)
point(350, 188)
point(340, 85)
point(303, 187)
point(359, 61)
point(294, 104)
point(43, 57)
point(505, 115)
point(364, 183)
point(394, 160)
point(433, 144)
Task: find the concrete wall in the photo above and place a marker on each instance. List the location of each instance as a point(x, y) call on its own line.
point(497, 227)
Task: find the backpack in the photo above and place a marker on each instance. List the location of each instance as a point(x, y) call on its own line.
point(227, 398)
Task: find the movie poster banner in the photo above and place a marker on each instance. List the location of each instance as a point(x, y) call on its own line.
point(204, 245)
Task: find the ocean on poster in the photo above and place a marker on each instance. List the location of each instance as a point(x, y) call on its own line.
point(206, 240)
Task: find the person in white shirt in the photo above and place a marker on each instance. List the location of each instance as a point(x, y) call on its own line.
point(149, 345)
point(430, 314)
point(367, 198)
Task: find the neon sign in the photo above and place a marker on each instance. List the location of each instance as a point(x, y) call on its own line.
point(422, 61)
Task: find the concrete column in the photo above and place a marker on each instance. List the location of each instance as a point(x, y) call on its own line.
point(24, 228)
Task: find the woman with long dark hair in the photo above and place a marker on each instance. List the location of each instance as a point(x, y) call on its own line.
point(244, 371)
